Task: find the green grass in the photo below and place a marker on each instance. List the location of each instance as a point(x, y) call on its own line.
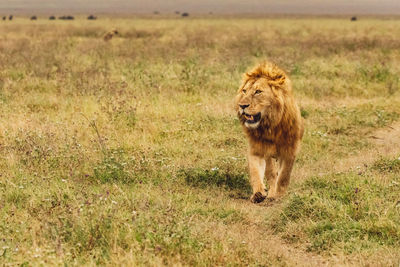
point(387, 165)
point(129, 152)
point(344, 212)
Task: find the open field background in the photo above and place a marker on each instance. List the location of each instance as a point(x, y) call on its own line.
point(129, 152)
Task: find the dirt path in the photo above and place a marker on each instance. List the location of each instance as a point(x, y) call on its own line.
point(386, 142)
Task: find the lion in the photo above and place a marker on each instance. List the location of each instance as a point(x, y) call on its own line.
point(109, 35)
point(274, 127)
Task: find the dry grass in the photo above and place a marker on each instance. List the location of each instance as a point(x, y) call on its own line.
point(129, 152)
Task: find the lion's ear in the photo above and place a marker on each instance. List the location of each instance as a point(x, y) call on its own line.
point(278, 80)
point(248, 75)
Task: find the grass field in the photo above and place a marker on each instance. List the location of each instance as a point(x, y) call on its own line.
point(129, 152)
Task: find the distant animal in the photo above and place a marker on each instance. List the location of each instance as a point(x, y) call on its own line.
point(272, 122)
point(52, 18)
point(185, 14)
point(353, 18)
point(4, 18)
point(91, 17)
point(66, 18)
point(10, 17)
point(109, 35)
point(156, 12)
point(33, 18)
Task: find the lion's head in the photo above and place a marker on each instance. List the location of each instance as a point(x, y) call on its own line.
point(259, 101)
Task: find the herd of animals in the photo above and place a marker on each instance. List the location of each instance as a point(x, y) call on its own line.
point(90, 17)
point(34, 17)
point(108, 36)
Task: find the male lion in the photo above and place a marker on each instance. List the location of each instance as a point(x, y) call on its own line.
point(272, 122)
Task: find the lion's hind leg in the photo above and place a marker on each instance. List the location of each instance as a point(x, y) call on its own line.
point(282, 182)
point(271, 176)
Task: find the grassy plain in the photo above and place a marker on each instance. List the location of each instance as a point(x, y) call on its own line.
point(128, 152)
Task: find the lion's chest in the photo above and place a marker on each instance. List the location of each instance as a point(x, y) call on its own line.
point(264, 148)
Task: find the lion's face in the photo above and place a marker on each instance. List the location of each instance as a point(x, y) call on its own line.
point(257, 102)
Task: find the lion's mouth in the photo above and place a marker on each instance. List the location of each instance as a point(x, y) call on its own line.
point(252, 118)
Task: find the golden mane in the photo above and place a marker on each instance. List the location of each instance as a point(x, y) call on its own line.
point(276, 77)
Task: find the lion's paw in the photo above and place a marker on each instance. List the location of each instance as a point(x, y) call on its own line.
point(258, 197)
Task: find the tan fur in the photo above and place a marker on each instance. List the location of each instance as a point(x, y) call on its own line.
point(109, 35)
point(267, 91)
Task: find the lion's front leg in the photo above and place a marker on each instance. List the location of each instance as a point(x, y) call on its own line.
point(285, 169)
point(257, 169)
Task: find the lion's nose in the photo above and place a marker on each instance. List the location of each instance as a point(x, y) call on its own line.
point(243, 106)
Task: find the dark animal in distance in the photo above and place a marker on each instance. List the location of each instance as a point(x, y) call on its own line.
point(91, 17)
point(66, 17)
point(52, 18)
point(109, 35)
point(33, 18)
point(10, 17)
point(185, 14)
point(353, 18)
point(4, 18)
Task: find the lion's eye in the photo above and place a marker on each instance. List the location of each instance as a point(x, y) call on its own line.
point(258, 92)
point(244, 91)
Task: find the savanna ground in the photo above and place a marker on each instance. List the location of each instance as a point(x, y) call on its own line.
point(128, 152)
